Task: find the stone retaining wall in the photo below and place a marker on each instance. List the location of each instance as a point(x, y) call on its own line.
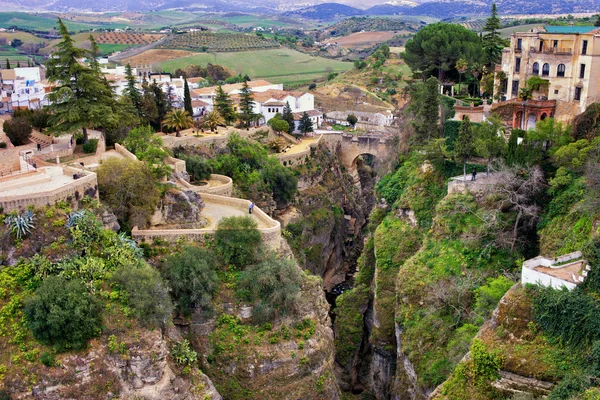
point(271, 234)
point(71, 192)
point(297, 158)
point(224, 189)
point(124, 152)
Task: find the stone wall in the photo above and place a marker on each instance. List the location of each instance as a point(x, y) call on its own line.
point(291, 159)
point(71, 192)
point(175, 163)
point(271, 234)
point(124, 152)
point(224, 188)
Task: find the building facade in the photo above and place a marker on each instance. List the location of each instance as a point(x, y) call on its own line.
point(567, 57)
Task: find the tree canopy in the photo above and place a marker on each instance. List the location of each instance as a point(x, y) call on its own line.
point(435, 49)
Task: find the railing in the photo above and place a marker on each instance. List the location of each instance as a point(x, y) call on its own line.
point(553, 50)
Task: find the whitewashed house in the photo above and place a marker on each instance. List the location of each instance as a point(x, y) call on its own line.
point(566, 271)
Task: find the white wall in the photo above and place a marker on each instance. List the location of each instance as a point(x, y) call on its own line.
point(537, 278)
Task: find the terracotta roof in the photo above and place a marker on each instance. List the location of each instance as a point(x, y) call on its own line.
point(196, 79)
point(232, 87)
point(199, 103)
point(8, 73)
point(263, 97)
point(311, 113)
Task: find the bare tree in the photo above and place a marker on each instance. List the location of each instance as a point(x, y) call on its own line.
point(519, 188)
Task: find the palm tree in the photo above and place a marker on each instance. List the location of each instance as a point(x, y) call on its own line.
point(461, 66)
point(178, 120)
point(214, 119)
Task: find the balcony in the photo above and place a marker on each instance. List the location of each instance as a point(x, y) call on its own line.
point(559, 51)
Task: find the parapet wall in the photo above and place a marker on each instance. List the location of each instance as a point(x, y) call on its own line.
point(224, 188)
point(124, 152)
point(291, 159)
point(271, 235)
point(71, 192)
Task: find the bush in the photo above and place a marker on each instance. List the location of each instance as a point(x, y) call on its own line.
point(193, 278)
point(129, 189)
point(312, 86)
point(198, 167)
point(488, 296)
point(90, 146)
point(18, 130)
point(568, 388)
point(146, 293)
point(273, 286)
point(63, 314)
point(238, 241)
point(183, 355)
point(47, 359)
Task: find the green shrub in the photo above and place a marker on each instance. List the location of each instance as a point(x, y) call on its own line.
point(571, 386)
point(63, 314)
point(272, 285)
point(198, 167)
point(47, 359)
point(488, 296)
point(193, 278)
point(183, 354)
point(90, 146)
point(146, 293)
point(238, 241)
point(18, 130)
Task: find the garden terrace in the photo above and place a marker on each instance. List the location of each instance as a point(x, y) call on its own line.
point(567, 271)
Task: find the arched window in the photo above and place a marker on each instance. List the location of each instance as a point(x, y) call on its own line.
point(546, 69)
point(560, 70)
point(536, 68)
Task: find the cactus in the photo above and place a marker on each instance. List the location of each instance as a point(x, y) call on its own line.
point(21, 225)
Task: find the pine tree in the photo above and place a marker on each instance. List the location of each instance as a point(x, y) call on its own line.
point(492, 41)
point(246, 105)
point(7, 64)
point(131, 90)
point(464, 146)
point(94, 54)
point(224, 105)
point(187, 99)
point(163, 105)
point(305, 126)
point(288, 117)
point(81, 97)
point(425, 108)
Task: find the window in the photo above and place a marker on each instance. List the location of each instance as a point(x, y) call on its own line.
point(546, 70)
point(577, 93)
point(560, 70)
point(555, 44)
point(582, 71)
point(518, 64)
point(556, 91)
point(515, 88)
point(519, 44)
point(536, 68)
point(541, 46)
point(584, 47)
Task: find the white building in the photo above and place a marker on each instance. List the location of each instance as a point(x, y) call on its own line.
point(23, 87)
point(564, 271)
point(316, 117)
point(379, 119)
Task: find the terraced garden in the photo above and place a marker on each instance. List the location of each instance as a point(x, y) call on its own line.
point(217, 42)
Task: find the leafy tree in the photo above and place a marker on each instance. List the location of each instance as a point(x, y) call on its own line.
point(238, 241)
point(282, 181)
point(197, 166)
point(192, 275)
point(246, 105)
point(38, 118)
point(178, 120)
point(278, 124)
point(63, 314)
point(489, 141)
point(148, 106)
point(187, 99)
point(81, 97)
point(18, 130)
point(352, 120)
point(305, 125)
point(162, 102)
point(146, 293)
point(273, 286)
point(16, 43)
point(493, 43)
point(288, 117)
point(213, 120)
point(224, 105)
point(464, 147)
point(148, 147)
point(131, 90)
point(435, 49)
point(425, 109)
point(129, 189)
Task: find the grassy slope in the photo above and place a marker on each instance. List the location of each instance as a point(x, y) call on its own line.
point(277, 65)
point(24, 36)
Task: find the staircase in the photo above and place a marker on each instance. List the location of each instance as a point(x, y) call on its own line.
point(41, 139)
point(26, 163)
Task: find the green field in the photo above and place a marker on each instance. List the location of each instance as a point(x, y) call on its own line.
point(23, 36)
point(276, 65)
point(39, 21)
point(12, 55)
point(106, 48)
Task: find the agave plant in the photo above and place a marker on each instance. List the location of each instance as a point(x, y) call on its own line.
point(132, 244)
point(21, 224)
point(74, 217)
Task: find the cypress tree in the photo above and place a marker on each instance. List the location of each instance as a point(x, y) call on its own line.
point(288, 117)
point(246, 105)
point(7, 64)
point(131, 89)
point(187, 99)
point(464, 146)
point(18, 64)
point(305, 126)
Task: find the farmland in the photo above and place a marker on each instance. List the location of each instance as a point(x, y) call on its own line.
point(276, 65)
point(126, 38)
point(23, 36)
point(217, 42)
point(362, 39)
point(506, 32)
point(155, 56)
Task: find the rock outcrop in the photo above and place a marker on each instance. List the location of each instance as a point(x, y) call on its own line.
point(179, 208)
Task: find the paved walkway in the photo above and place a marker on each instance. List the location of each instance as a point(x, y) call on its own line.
point(303, 145)
point(215, 212)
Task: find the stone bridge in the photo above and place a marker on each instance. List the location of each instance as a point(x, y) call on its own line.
point(351, 147)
